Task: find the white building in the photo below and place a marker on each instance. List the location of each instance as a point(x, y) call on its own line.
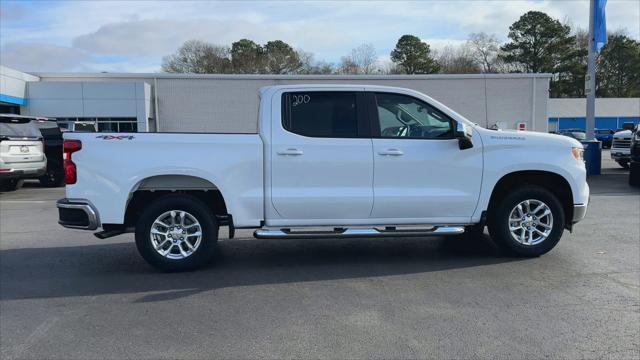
point(229, 103)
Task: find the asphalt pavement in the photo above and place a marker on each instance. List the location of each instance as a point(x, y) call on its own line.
point(65, 294)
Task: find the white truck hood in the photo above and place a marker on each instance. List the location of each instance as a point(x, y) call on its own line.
point(625, 134)
point(529, 138)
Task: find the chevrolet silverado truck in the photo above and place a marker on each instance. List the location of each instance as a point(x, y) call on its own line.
point(620, 148)
point(326, 161)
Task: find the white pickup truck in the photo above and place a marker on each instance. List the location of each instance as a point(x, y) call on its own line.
point(326, 161)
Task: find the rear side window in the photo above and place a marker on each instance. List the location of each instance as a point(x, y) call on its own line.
point(321, 114)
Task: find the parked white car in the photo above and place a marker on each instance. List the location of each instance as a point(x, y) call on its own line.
point(360, 161)
point(21, 151)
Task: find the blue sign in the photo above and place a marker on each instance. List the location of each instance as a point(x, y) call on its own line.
point(599, 24)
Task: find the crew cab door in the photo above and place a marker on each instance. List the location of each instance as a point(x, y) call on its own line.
point(321, 163)
point(421, 175)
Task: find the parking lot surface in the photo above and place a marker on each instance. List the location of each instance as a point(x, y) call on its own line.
point(66, 294)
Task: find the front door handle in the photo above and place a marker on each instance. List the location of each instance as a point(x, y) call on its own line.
point(391, 152)
point(291, 152)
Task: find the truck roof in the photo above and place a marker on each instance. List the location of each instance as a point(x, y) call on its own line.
point(15, 116)
point(329, 85)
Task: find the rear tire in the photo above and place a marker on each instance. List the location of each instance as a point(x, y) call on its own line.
point(624, 164)
point(11, 184)
point(179, 248)
point(51, 180)
point(507, 233)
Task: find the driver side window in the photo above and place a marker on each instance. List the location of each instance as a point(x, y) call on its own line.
point(402, 116)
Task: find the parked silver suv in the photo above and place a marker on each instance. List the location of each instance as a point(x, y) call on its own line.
point(21, 151)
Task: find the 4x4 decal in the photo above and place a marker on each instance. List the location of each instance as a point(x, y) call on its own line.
point(115, 137)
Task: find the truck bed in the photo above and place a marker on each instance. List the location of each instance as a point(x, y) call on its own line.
point(111, 166)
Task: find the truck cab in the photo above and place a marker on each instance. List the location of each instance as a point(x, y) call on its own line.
point(326, 161)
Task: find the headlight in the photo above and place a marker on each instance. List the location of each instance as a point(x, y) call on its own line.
point(578, 153)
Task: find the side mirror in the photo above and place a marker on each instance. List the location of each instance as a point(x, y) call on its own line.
point(464, 134)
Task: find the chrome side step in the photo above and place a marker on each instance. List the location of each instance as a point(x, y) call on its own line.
point(357, 233)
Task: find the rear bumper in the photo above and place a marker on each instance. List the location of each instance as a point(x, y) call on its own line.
point(77, 214)
point(22, 174)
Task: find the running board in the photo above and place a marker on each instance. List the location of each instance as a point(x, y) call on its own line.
point(357, 233)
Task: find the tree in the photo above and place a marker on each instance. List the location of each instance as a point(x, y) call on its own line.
point(413, 56)
point(538, 43)
point(247, 57)
point(198, 57)
point(361, 60)
point(280, 58)
point(457, 60)
point(619, 68)
point(569, 77)
point(485, 51)
point(347, 66)
point(309, 66)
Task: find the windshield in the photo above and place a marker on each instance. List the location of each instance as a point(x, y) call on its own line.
point(603, 131)
point(14, 128)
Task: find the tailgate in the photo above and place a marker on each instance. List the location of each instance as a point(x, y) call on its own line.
point(21, 151)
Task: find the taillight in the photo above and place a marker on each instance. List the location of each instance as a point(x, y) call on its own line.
point(69, 147)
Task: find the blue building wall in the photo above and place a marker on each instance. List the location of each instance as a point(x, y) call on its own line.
point(612, 123)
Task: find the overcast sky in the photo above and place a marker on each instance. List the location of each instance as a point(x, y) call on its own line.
point(132, 36)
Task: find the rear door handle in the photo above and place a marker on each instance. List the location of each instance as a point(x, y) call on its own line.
point(291, 152)
point(391, 152)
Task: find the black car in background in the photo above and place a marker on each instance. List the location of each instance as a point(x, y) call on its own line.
point(577, 134)
point(634, 164)
point(53, 150)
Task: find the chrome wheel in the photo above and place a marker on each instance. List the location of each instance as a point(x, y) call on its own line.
point(530, 222)
point(176, 234)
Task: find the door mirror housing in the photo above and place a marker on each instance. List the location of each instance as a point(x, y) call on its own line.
point(464, 133)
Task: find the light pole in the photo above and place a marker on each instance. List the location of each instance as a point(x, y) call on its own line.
point(590, 80)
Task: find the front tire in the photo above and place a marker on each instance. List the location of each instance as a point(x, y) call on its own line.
point(177, 232)
point(527, 222)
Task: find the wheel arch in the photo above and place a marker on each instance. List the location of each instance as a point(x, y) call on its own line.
point(553, 182)
point(156, 186)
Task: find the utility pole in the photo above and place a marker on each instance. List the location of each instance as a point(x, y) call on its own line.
point(590, 80)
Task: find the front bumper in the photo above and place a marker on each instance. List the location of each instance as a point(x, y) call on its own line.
point(579, 212)
point(620, 154)
point(77, 214)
